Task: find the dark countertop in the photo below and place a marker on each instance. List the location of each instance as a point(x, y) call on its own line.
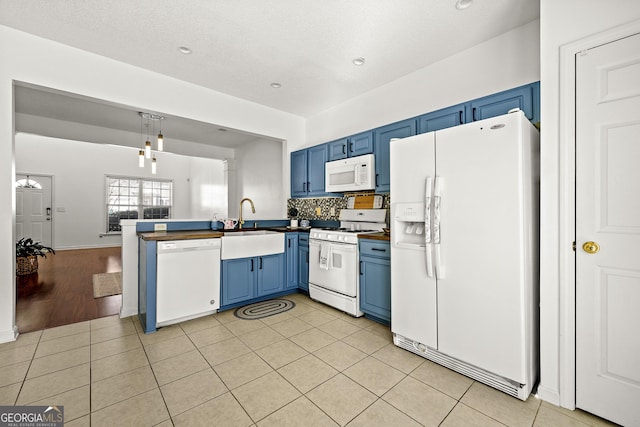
point(209, 234)
point(375, 236)
point(180, 235)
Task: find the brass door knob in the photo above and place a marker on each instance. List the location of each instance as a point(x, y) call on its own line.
point(591, 247)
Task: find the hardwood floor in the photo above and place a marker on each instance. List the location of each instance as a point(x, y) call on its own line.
point(61, 292)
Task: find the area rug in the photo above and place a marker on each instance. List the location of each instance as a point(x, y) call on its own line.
point(107, 284)
point(263, 309)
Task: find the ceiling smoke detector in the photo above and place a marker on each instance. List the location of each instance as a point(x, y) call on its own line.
point(358, 61)
point(185, 50)
point(463, 4)
point(276, 85)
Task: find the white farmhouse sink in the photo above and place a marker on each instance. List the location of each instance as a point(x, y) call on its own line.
point(243, 244)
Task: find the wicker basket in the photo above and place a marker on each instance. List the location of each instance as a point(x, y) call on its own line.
point(26, 265)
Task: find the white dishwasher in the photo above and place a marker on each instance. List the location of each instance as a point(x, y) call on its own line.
point(188, 282)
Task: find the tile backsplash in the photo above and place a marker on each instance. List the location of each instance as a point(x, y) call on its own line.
point(308, 207)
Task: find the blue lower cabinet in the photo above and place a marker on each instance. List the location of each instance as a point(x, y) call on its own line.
point(270, 274)
point(246, 278)
point(375, 279)
point(238, 280)
point(303, 261)
point(291, 254)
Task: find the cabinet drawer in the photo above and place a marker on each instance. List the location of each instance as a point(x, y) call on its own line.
point(376, 248)
point(303, 239)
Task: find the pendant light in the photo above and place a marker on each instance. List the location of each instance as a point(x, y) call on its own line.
point(146, 152)
point(160, 138)
point(147, 149)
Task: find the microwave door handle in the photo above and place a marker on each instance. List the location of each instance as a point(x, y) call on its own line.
point(358, 167)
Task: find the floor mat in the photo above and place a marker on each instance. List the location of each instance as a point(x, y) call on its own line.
point(107, 284)
point(263, 309)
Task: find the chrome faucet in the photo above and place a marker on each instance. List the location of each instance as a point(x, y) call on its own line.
point(253, 209)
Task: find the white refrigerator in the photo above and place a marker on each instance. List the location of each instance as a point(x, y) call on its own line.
point(464, 249)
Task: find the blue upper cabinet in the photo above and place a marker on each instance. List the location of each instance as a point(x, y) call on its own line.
point(500, 103)
point(441, 119)
point(353, 146)
point(307, 171)
point(299, 173)
point(339, 149)
point(318, 156)
point(360, 144)
point(382, 137)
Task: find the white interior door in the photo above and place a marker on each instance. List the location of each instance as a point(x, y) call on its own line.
point(608, 214)
point(33, 208)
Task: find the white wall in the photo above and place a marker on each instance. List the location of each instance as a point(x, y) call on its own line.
point(72, 70)
point(561, 23)
point(259, 176)
point(79, 170)
point(208, 190)
point(504, 62)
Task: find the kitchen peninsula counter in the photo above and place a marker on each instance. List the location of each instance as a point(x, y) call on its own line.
point(180, 235)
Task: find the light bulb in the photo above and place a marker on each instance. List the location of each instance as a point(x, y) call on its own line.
point(160, 142)
point(147, 149)
point(153, 166)
point(141, 158)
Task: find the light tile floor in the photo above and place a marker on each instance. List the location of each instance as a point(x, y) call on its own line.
point(310, 366)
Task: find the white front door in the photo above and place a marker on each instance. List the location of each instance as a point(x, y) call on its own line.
point(33, 208)
point(608, 230)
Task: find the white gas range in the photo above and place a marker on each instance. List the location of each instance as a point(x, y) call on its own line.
point(334, 277)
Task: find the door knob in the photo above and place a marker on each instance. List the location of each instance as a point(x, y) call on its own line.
point(591, 247)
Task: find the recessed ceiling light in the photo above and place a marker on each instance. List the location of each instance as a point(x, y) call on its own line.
point(185, 50)
point(463, 4)
point(358, 61)
point(276, 85)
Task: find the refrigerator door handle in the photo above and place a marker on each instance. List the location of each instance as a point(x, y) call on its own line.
point(436, 210)
point(437, 199)
point(427, 210)
point(427, 226)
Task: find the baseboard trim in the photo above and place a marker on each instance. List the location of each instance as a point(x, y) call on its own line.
point(9, 336)
point(548, 395)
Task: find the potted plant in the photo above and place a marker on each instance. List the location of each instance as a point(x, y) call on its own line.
point(27, 253)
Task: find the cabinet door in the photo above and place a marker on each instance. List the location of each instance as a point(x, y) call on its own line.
point(270, 274)
point(316, 158)
point(303, 268)
point(381, 139)
point(441, 119)
point(361, 144)
point(238, 280)
point(500, 103)
point(299, 173)
point(375, 287)
point(338, 149)
point(292, 261)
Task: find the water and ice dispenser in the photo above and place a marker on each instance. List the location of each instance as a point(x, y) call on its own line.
point(408, 224)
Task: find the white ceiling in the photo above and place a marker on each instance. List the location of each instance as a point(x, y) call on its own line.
point(240, 47)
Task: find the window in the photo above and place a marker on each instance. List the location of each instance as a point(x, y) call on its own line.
point(127, 197)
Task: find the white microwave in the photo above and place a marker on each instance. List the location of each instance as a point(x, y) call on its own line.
point(352, 174)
